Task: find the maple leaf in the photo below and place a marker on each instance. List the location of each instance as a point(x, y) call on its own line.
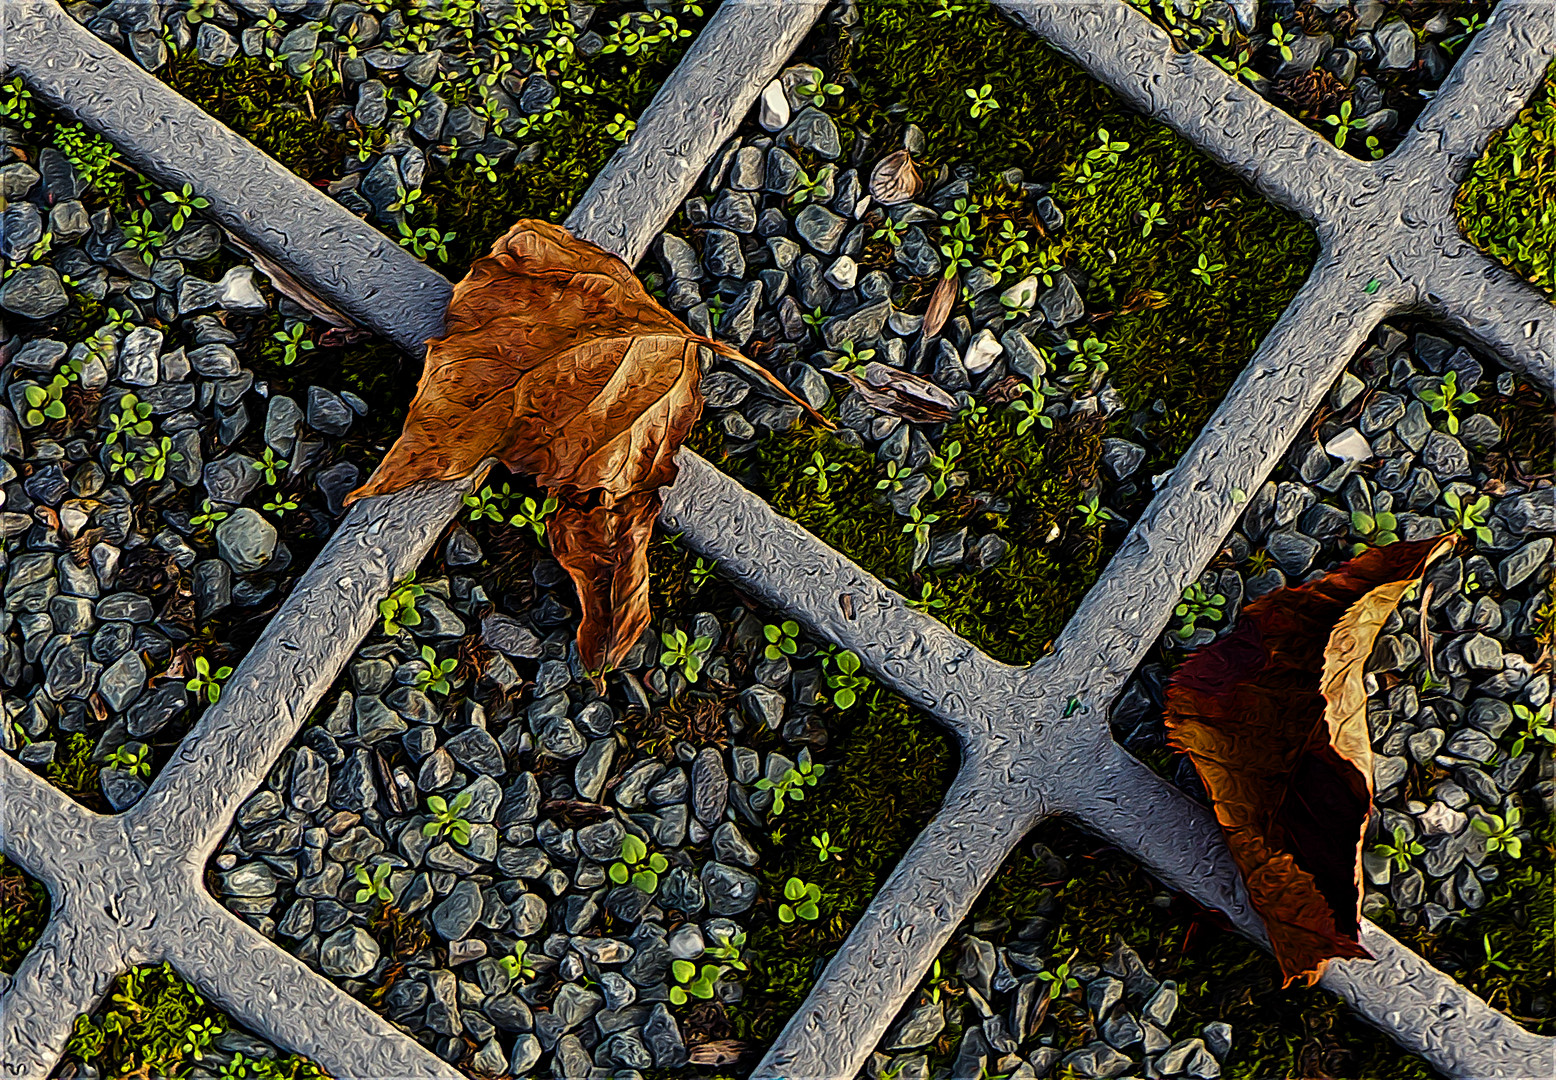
point(558, 364)
point(1274, 718)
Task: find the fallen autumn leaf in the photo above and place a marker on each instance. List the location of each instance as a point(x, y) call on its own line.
point(558, 364)
point(1274, 718)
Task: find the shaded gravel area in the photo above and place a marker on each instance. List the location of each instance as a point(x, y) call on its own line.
point(1004, 1004)
point(1459, 702)
point(170, 463)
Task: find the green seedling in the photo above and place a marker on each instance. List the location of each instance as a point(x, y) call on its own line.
point(1499, 831)
point(434, 678)
point(133, 418)
point(1093, 512)
point(184, 202)
point(1198, 604)
point(816, 91)
point(638, 866)
point(270, 465)
point(983, 102)
point(1376, 529)
point(918, 524)
point(1108, 148)
point(45, 402)
point(280, 505)
point(804, 901)
point(895, 475)
point(1281, 39)
point(1059, 980)
point(846, 683)
point(1470, 517)
point(426, 241)
point(399, 607)
point(726, 947)
point(375, 884)
point(294, 341)
point(782, 639)
point(1536, 725)
point(446, 818)
point(156, 457)
point(533, 516)
point(1151, 218)
point(792, 784)
point(819, 470)
point(515, 965)
point(133, 758)
point(1031, 405)
point(692, 983)
point(206, 681)
point(825, 848)
point(1206, 270)
point(489, 505)
point(684, 652)
point(621, 127)
point(700, 572)
point(1344, 123)
point(1401, 851)
point(943, 462)
point(926, 599)
point(1446, 398)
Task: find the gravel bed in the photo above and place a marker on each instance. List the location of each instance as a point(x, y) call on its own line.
point(161, 495)
point(1462, 736)
point(1356, 71)
point(783, 251)
point(514, 941)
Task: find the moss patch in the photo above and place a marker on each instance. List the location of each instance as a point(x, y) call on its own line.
point(468, 207)
point(24, 910)
point(1507, 207)
point(155, 1024)
point(1136, 231)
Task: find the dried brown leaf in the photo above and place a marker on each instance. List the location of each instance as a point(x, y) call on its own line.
point(894, 179)
point(940, 302)
point(558, 364)
point(1274, 718)
point(900, 393)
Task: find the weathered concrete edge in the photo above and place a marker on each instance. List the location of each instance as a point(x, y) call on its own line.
point(1263, 146)
point(1452, 279)
point(349, 262)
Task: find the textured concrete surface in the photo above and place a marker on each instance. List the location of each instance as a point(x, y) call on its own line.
point(1021, 759)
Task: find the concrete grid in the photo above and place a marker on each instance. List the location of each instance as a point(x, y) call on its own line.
point(128, 889)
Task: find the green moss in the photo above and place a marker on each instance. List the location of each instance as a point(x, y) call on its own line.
point(887, 769)
point(24, 910)
point(1507, 207)
point(1013, 610)
point(1174, 341)
point(270, 108)
point(284, 117)
point(1170, 336)
point(155, 1024)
